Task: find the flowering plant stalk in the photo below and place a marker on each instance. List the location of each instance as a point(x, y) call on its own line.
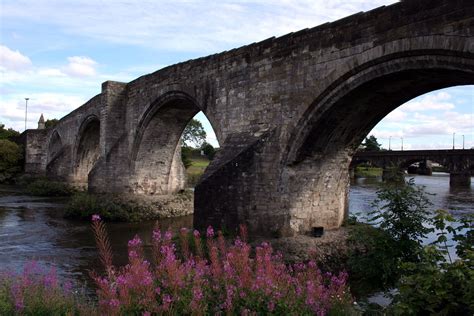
point(224, 279)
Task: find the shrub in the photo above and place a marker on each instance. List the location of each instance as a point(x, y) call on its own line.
point(208, 150)
point(11, 156)
point(437, 285)
point(45, 187)
point(186, 156)
point(83, 205)
point(401, 216)
point(36, 292)
point(223, 279)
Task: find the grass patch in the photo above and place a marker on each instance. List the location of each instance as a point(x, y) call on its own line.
point(196, 170)
point(368, 172)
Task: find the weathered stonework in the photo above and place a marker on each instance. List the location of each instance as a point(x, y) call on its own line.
point(289, 113)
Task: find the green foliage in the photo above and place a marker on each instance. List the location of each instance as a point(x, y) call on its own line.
point(11, 157)
point(208, 150)
point(371, 144)
point(428, 281)
point(51, 123)
point(368, 172)
point(9, 134)
point(186, 156)
point(193, 134)
point(83, 205)
point(45, 187)
point(373, 263)
point(436, 285)
point(400, 215)
point(402, 212)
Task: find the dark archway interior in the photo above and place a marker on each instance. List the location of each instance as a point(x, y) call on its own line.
point(354, 115)
point(157, 164)
point(54, 151)
point(55, 146)
point(87, 151)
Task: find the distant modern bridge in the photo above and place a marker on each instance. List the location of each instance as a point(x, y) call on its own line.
point(458, 162)
point(288, 112)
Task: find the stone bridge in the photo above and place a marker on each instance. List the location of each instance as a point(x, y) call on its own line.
point(288, 112)
point(459, 162)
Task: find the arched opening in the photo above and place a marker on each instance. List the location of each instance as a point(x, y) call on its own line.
point(55, 150)
point(87, 152)
point(332, 129)
point(157, 163)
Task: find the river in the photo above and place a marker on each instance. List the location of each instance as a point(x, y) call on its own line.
point(33, 228)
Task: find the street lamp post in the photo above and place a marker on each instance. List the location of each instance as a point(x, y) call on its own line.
point(389, 143)
point(454, 134)
point(26, 110)
point(462, 141)
point(402, 142)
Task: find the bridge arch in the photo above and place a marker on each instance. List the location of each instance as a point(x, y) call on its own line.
point(55, 149)
point(321, 147)
point(156, 164)
point(87, 149)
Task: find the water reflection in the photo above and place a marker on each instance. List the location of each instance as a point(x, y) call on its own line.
point(458, 201)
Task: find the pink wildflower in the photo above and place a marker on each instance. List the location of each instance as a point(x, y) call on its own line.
point(96, 218)
point(135, 242)
point(210, 232)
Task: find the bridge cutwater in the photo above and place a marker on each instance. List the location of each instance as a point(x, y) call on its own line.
point(289, 113)
point(458, 162)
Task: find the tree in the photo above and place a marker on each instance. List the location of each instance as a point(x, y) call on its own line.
point(208, 150)
point(371, 144)
point(9, 134)
point(51, 123)
point(10, 159)
point(194, 134)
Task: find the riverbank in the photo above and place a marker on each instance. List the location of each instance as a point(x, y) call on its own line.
point(368, 172)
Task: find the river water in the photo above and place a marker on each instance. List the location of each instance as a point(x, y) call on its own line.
point(33, 228)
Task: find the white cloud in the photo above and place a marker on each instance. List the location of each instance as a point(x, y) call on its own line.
point(195, 26)
point(51, 105)
point(13, 60)
point(396, 115)
point(80, 66)
point(430, 102)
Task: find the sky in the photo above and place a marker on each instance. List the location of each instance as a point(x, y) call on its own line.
point(57, 53)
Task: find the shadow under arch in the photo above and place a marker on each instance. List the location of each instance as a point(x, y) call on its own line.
point(155, 161)
point(55, 151)
point(328, 134)
point(87, 150)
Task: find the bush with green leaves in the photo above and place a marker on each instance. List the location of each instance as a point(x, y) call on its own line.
point(437, 285)
point(208, 150)
point(11, 156)
point(398, 224)
point(83, 205)
point(45, 187)
point(186, 156)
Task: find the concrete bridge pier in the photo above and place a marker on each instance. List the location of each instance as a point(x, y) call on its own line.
point(460, 179)
point(425, 168)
